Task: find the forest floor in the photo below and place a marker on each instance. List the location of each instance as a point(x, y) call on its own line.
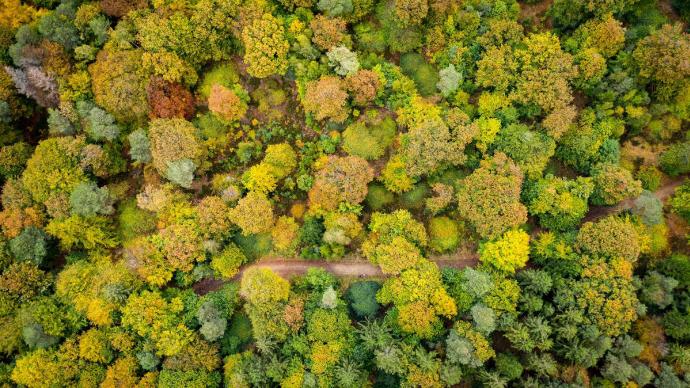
point(357, 266)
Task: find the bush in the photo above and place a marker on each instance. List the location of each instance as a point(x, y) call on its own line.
point(444, 234)
point(362, 298)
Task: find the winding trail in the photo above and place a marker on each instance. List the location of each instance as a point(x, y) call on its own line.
point(357, 266)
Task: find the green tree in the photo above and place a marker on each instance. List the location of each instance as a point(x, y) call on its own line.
point(559, 203)
point(87, 199)
point(490, 197)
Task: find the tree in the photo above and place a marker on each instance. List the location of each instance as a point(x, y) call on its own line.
point(490, 197)
point(31, 245)
point(265, 47)
point(362, 298)
point(139, 146)
point(530, 150)
point(559, 203)
point(118, 84)
point(328, 31)
point(54, 168)
point(226, 103)
point(680, 202)
point(508, 252)
point(613, 184)
point(253, 214)
point(169, 99)
point(659, 59)
point(369, 140)
point(418, 311)
point(675, 161)
point(429, 145)
point(87, 199)
point(444, 234)
point(150, 315)
point(227, 263)
point(649, 208)
point(335, 7)
point(364, 86)
point(173, 140)
point(326, 98)
point(609, 237)
point(341, 179)
point(13, 159)
point(342, 60)
point(83, 232)
point(449, 80)
point(181, 172)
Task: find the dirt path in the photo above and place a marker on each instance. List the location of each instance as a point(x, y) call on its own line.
point(663, 193)
point(358, 267)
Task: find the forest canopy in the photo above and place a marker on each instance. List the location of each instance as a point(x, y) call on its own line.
point(344, 193)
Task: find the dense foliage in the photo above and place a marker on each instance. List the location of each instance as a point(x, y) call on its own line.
point(510, 176)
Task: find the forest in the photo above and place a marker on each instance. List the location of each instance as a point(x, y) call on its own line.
point(345, 193)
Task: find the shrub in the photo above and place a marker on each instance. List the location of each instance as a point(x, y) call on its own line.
point(362, 298)
point(444, 234)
